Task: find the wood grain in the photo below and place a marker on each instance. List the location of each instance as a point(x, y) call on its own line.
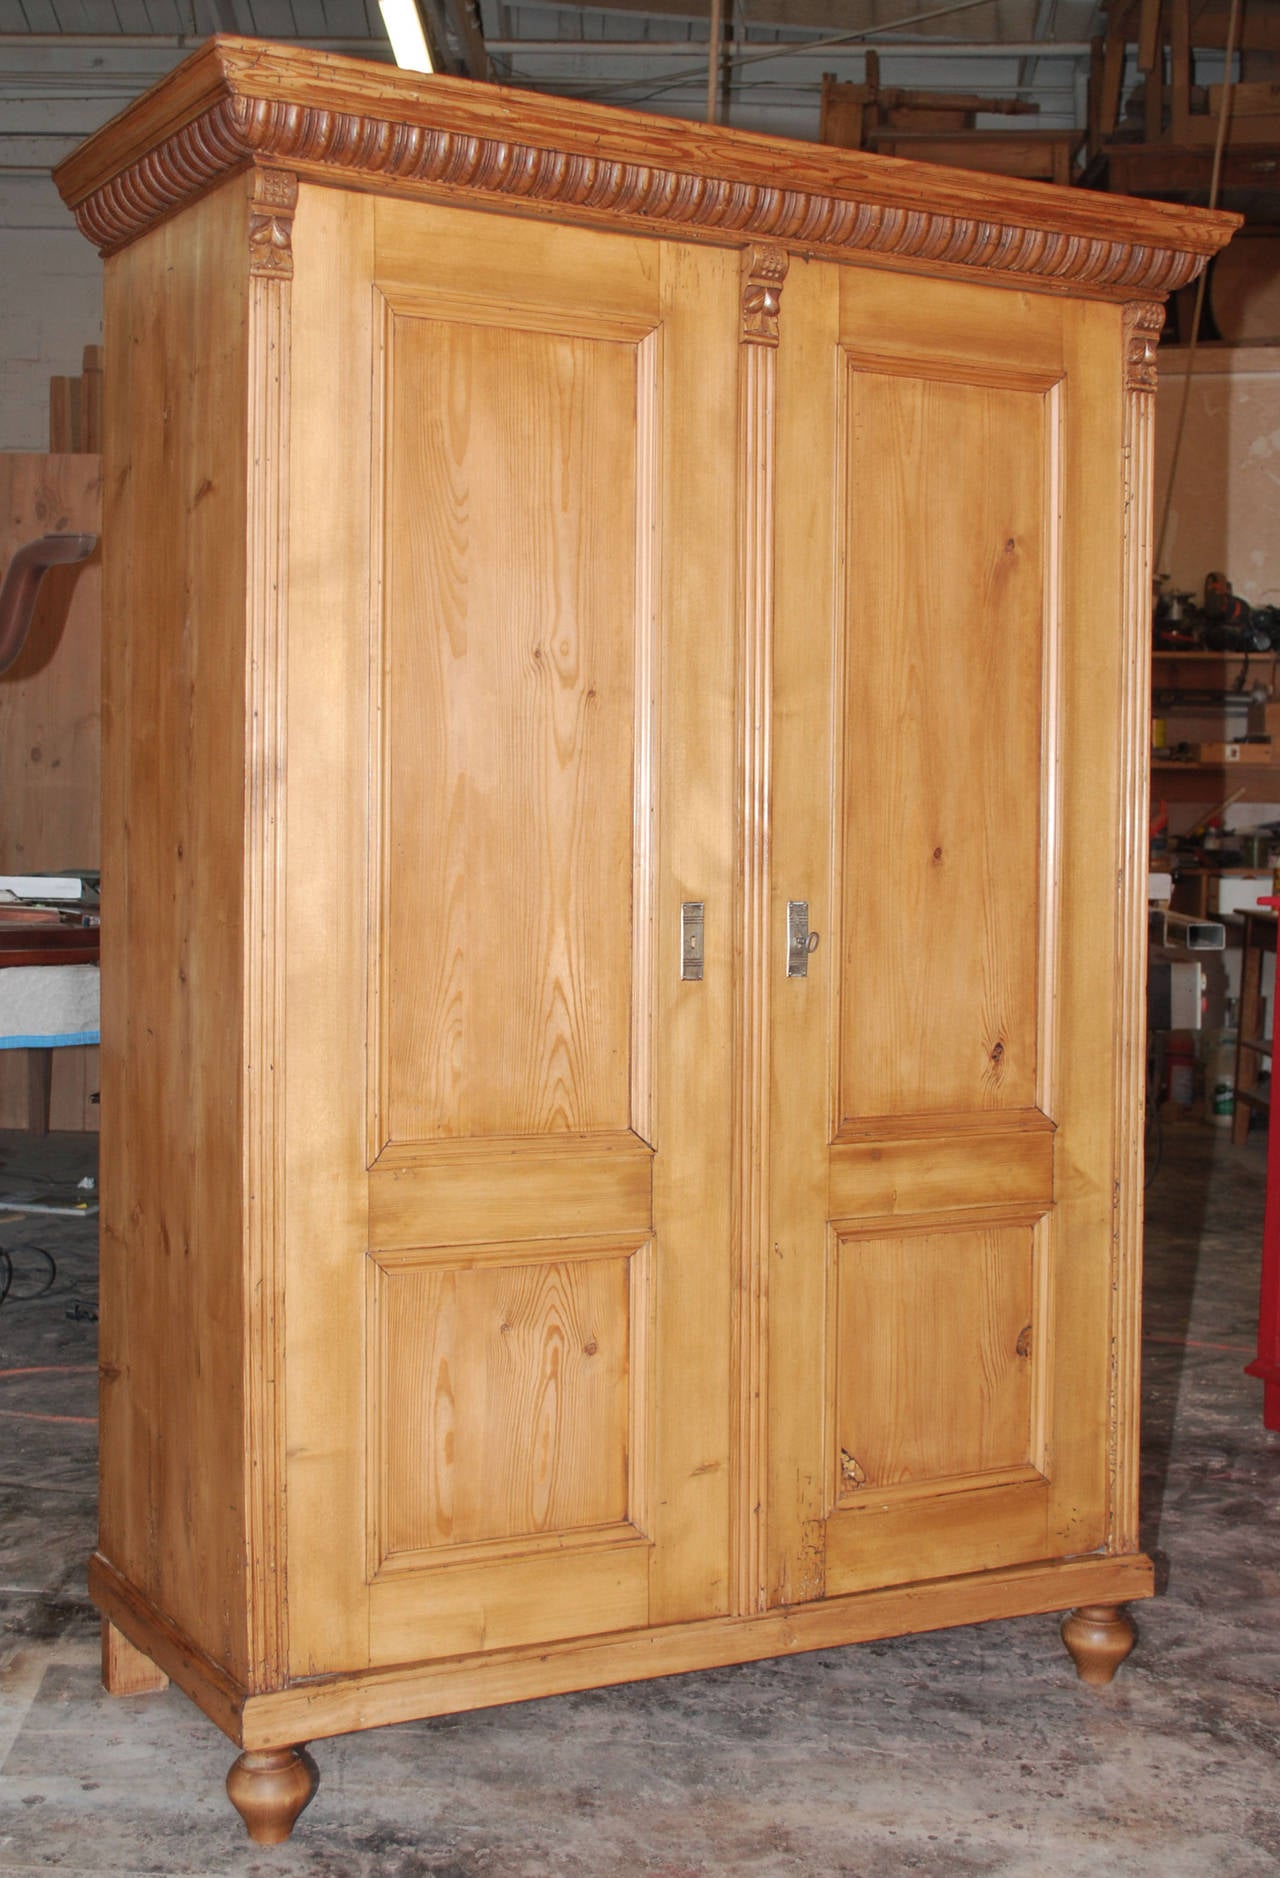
point(269, 207)
point(126, 1671)
point(972, 1169)
point(502, 1400)
point(944, 601)
point(331, 686)
point(236, 101)
point(460, 1193)
point(763, 274)
point(173, 1507)
point(600, 1307)
point(1129, 1087)
point(310, 1711)
point(903, 662)
point(401, 1691)
point(501, 1202)
point(510, 544)
point(911, 1409)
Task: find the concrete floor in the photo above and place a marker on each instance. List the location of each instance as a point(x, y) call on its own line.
point(971, 1751)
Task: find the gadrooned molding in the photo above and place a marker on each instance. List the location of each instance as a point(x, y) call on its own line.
point(494, 166)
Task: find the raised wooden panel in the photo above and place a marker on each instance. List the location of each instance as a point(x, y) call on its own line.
point(949, 576)
point(516, 534)
point(478, 1192)
point(960, 1401)
point(508, 1398)
point(981, 1529)
point(983, 1171)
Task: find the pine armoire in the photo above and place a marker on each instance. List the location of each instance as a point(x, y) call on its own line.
point(624, 901)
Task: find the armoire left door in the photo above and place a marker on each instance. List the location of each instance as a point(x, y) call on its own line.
point(510, 759)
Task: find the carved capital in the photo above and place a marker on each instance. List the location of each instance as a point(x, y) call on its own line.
point(273, 197)
point(763, 272)
point(1143, 321)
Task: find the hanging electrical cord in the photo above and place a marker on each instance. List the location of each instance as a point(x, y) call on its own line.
point(781, 49)
point(1215, 182)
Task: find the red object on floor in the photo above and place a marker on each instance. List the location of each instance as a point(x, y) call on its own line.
point(1266, 1365)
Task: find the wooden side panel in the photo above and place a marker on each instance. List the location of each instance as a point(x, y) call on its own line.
point(50, 698)
point(510, 532)
point(945, 487)
point(173, 1514)
point(50, 713)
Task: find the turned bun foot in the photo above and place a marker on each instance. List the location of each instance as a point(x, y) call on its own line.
point(269, 1788)
point(1099, 1637)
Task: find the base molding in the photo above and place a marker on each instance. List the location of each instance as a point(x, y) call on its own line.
point(313, 1707)
point(210, 1686)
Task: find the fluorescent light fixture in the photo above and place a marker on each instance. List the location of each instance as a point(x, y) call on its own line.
point(404, 29)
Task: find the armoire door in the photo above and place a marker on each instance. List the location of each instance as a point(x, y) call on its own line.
point(948, 675)
point(511, 750)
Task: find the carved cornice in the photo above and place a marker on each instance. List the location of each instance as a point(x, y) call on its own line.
point(273, 197)
point(1142, 325)
point(239, 103)
point(763, 272)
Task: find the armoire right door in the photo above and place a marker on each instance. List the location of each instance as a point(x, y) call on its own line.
point(946, 774)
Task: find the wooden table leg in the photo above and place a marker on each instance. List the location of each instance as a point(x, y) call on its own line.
point(39, 1087)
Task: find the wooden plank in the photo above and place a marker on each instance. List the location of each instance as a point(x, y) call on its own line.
point(982, 1364)
point(490, 1192)
point(960, 1170)
point(692, 781)
point(1036, 155)
point(974, 1531)
point(1112, 85)
point(805, 600)
point(519, 886)
point(842, 112)
point(917, 883)
point(1179, 70)
point(91, 400)
point(1149, 48)
point(1096, 96)
point(307, 1712)
point(1091, 1092)
point(63, 427)
point(1153, 88)
point(333, 1705)
point(523, 1600)
point(173, 1516)
point(50, 713)
point(125, 1670)
point(476, 1442)
point(328, 895)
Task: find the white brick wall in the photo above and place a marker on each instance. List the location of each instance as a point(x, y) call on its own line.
point(50, 306)
point(51, 97)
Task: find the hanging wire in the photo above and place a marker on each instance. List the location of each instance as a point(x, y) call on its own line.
point(782, 49)
point(1215, 182)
